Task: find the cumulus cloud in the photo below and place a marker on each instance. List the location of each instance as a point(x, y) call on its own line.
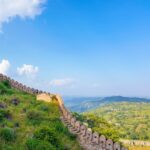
point(4, 66)
point(62, 82)
point(28, 70)
point(19, 8)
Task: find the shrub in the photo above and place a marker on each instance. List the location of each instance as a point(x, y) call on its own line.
point(31, 144)
point(35, 116)
point(47, 134)
point(43, 107)
point(34, 144)
point(60, 128)
point(6, 83)
point(4, 114)
point(5, 87)
point(7, 134)
point(43, 145)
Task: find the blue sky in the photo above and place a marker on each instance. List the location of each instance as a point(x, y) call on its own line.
point(78, 47)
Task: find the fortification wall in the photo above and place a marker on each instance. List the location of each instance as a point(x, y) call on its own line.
point(44, 97)
point(88, 139)
point(20, 86)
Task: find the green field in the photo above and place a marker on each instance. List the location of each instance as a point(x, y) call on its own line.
point(27, 124)
point(131, 118)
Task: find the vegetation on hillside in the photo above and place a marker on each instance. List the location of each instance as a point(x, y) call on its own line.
point(100, 125)
point(131, 118)
point(27, 124)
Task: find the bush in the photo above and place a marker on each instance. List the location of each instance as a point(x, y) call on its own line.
point(35, 116)
point(34, 144)
point(100, 125)
point(4, 114)
point(7, 134)
point(47, 134)
point(5, 87)
point(31, 144)
point(60, 128)
point(43, 107)
point(6, 83)
point(43, 145)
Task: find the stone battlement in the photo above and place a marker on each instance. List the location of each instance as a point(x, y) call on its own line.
point(20, 86)
point(88, 139)
point(44, 97)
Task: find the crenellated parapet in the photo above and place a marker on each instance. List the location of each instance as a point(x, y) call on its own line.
point(88, 139)
point(20, 86)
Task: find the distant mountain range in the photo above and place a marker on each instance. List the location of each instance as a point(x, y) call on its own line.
point(83, 104)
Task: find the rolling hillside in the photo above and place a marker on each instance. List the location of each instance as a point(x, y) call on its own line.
point(83, 104)
point(27, 124)
point(131, 118)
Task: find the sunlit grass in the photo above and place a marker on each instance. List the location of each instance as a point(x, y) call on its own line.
point(29, 116)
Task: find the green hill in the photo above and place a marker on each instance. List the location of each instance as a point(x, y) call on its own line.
point(27, 124)
point(83, 104)
point(132, 119)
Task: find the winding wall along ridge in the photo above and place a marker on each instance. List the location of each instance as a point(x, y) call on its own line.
point(89, 140)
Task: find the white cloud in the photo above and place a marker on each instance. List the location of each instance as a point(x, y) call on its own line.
point(4, 66)
point(19, 8)
point(62, 82)
point(28, 70)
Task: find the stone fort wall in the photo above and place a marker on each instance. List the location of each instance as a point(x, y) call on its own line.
point(88, 139)
point(20, 86)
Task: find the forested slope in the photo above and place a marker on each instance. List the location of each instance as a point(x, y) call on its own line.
point(131, 118)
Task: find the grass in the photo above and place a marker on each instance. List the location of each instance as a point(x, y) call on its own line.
point(21, 122)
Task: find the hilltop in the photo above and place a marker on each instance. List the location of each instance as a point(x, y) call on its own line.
point(27, 124)
point(83, 104)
